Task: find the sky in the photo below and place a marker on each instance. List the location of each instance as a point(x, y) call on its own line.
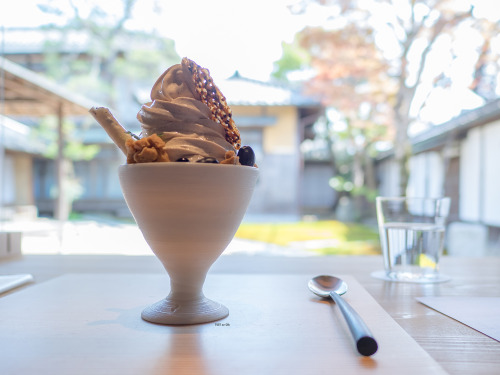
point(230, 35)
point(222, 35)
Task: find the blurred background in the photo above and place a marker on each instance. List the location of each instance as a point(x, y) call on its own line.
point(341, 101)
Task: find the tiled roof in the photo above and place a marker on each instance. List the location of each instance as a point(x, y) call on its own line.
point(35, 40)
point(437, 134)
point(244, 91)
point(17, 137)
point(29, 93)
point(248, 92)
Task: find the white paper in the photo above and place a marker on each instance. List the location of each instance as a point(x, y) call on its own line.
point(8, 282)
point(479, 313)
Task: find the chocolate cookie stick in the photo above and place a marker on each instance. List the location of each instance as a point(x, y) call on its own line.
point(115, 131)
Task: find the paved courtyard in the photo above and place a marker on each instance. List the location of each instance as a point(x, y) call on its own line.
point(45, 236)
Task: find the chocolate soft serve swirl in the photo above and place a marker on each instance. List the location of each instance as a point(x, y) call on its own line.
point(178, 114)
point(187, 120)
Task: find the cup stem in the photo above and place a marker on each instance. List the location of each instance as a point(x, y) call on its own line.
point(186, 303)
point(186, 288)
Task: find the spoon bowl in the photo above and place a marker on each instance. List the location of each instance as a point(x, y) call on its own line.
point(323, 285)
point(326, 286)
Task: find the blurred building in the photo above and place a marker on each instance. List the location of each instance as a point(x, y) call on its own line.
point(29, 96)
point(458, 159)
point(272, 119)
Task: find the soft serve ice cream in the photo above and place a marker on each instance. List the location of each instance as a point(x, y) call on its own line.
point(182, 120)
point(187, 120)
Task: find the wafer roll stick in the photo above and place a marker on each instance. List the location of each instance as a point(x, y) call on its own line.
point(115, 131)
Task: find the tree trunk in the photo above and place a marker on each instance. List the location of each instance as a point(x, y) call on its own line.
point(370, 177)
point(61, 210)
point(402, 145)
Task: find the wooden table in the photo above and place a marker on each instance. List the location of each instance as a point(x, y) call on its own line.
point(456, 347)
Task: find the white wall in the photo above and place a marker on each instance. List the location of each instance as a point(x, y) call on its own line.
point(470, 176)
point(491, 174)
point(8, 181)
point(480, 175)
point(426, 178)
point(479, 192)
point(388, 177)
point(426, 175)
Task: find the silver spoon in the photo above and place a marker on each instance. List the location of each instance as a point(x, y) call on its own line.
point(329, 286)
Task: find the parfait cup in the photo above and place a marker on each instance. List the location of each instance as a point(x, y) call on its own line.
point(188, 213)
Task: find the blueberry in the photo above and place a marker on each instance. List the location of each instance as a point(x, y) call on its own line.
point(183, 160)
point(208, 160)
point(246, 155)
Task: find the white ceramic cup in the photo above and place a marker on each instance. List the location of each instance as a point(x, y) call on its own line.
point(188, 214)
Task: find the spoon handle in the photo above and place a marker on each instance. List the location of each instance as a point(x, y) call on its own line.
point(365, 343)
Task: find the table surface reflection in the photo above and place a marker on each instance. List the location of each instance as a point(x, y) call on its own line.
point(456, 347)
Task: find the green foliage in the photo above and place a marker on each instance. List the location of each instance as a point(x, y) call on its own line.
point(107, 52)
point(293, 58)
point(343, 184)
point(96, 76)
point(145, 65)
point(351, 79)
point(74, 148)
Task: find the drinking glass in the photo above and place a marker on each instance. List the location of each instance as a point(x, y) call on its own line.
point(412, 236)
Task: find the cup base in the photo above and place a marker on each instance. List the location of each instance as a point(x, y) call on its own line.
point(382, 275)
point(173, 312)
